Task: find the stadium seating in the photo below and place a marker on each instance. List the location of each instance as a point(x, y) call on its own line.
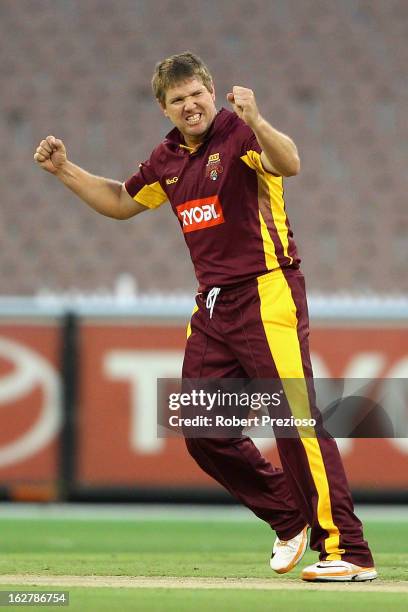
point(328, 74)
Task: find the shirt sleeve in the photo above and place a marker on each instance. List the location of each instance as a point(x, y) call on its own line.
point(145, 188)
point(251, 151)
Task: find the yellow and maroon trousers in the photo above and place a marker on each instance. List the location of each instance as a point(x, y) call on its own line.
point(260, 330)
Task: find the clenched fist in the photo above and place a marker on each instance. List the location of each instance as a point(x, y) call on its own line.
point(51, 154)
point(244, 104)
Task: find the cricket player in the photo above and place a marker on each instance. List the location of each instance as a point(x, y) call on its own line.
point(222, 173)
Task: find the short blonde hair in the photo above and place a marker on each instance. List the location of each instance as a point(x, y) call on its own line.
point(176, 68)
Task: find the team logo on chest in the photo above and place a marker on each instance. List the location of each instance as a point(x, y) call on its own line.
point(213, 167)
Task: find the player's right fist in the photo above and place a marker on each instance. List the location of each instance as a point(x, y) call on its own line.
point(51, 154)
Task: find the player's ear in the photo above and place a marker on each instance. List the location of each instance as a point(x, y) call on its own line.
point(213, 91)
point(162, 106)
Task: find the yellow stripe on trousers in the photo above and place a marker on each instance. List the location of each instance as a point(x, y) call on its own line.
point(278, 313)
point(188, 332)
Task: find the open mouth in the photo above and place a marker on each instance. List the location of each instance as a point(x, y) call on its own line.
point(193, 119)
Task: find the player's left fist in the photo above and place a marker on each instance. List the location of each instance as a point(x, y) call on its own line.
point(244, 104)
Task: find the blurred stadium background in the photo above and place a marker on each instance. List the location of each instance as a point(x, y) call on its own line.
point(92, 311)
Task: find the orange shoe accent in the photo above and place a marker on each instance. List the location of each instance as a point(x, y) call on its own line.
point(352, 573)
point(298, 556)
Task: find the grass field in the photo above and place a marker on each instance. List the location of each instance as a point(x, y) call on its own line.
point(236, 554)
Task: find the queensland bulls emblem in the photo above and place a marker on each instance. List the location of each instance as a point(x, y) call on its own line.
point(213, 167)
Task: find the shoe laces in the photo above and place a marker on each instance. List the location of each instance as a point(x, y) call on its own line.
point(290, 544)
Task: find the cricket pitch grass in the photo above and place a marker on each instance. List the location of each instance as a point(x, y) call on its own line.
point(164, 565)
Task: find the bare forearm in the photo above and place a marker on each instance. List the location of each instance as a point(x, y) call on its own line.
point(279, 149)
point(101, 194)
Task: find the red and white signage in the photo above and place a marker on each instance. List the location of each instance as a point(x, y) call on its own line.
point(119, 365)
point(30, 402)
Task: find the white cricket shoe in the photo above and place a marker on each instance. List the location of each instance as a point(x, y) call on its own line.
point(287, 553)
point(338, 571)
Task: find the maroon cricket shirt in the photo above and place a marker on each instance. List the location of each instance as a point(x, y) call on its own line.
point(231, 210)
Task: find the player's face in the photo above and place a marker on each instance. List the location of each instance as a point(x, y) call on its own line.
point(191, 107)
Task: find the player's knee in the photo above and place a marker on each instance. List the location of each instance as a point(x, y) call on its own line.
point(196, 446)
point(209, 446)
point(193, 446)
